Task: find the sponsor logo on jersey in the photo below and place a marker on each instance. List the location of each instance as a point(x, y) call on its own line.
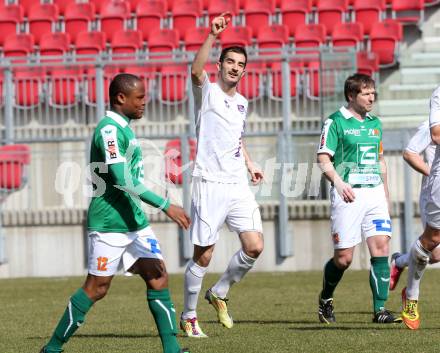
point(355, 132)
point(373, 132)
point(335, 237)
point(240, 108)
point(111, 147)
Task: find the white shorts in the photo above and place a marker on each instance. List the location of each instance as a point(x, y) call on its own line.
point(366, 216)
point(423, 200)
point(107, 249)
point(432, 207)
point(214, 204)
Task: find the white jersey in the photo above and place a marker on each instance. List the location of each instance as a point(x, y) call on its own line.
point(421, 142)
point(220, 127)
point(434, 119)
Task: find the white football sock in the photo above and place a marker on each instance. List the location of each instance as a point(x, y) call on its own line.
point(418, 259)
point(239, 265)
point(402, 261)
point(194, 274)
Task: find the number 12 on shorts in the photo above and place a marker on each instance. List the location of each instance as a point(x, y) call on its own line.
point(102, 263)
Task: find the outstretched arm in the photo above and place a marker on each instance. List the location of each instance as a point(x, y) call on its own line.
point(218, 25)
point(124, 181)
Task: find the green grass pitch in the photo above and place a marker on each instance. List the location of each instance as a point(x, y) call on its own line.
point(273, 312)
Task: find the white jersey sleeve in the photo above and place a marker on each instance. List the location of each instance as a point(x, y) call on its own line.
point(434, 108)
point(420, 140)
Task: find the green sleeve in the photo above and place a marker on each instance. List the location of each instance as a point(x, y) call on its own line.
point(124, 181)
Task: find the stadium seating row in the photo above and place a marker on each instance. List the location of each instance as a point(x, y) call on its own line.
point(152, 14)
point(383, 40)
point(66, 86)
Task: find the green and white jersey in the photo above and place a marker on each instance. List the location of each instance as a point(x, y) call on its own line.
point(354, 146)
point(112, 209)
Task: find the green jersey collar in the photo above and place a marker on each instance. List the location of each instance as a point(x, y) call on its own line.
point(121, 120)
point(347, 115)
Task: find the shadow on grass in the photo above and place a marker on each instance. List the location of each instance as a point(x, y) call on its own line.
point(345, 328)
point(101, 335)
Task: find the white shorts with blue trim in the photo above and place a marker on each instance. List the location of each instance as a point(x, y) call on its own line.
point(365, 217)
point(213, 204)
point(106, 250)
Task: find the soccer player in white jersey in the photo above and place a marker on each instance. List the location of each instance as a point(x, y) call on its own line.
point(420, 144)
point(220, 187)
point(350, 155)
point(421, 250)
point(118, 229)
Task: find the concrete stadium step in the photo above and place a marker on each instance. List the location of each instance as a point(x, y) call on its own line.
point(420, 59)
point(420, 75)
point(405, 107)
point(407, 91)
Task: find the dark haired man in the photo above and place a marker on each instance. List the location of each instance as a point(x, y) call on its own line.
point(220, 187)
point(350, 155)
point(119, 231)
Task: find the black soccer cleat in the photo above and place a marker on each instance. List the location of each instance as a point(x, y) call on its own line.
point(385, 317)
point(325, 311)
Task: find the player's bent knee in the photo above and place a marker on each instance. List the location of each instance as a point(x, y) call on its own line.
point(343, 262)
point(420, 254)
point(254, 250)
point(435, 255)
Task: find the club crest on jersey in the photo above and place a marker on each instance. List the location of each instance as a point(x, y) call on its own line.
point(335, 237)
point(240, 108)
point(226, 104)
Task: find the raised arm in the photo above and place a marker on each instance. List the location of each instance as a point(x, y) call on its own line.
point(218, 25)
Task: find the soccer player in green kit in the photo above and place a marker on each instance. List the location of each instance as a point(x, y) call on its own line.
point(351, 157)
point(117, 226)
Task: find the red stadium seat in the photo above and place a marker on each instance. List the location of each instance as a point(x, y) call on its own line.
point(251, 84)
point(185, 14)
point(173, 83)
point(331, 12)
point(384, 41)
point(149, 14)
point(99, 4)
point(126, 42)
point(64, 86)
point(54, 44)
point(17, 45)
point(77, 18)
point(90, 84)
point(348, 35)
point(272, 38)
point(367, 63)
point(10, 17)
point(173, 159)
point(163, 41)
point(113, 15)
point(217, 7)
point(13, 159)
point(312, 81)
point(308, 37)
point(408, 11)
point(257, 13)
point(26, 5)
point(368, 12)
point(41, 19)
point(194, 38)
point(236, 36)
point(276, 79)
point(28, 85)
point(62, 5)
point(294, 13)
point(89, 43)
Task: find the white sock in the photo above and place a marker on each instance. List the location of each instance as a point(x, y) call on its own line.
point(194, 274)
point(239, 265)
point(418, 259)
point(402, 260)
